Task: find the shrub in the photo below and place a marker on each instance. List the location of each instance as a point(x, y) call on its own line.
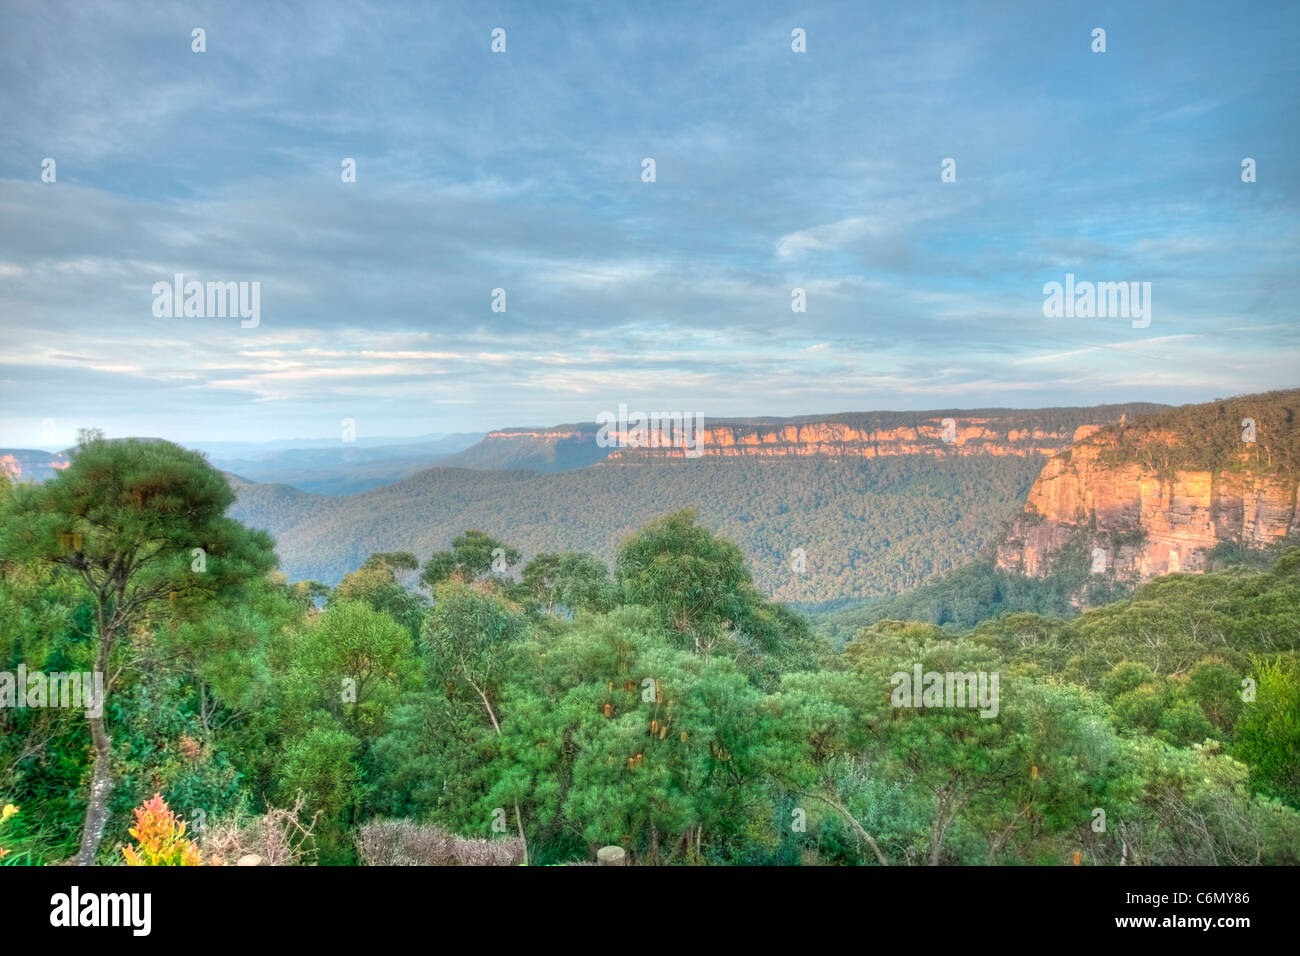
point(9, 811)
point(279, 837)
point(405, 843)
point(161, 838)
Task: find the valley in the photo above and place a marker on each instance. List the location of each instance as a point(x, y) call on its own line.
point(876, 502)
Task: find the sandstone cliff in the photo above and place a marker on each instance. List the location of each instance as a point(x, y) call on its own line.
point(30, 465)
point(1136, 520)
point(965, 436)
point(1023, 433)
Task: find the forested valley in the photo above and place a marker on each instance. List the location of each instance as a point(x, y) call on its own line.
point(466, 706)
point(864, 528)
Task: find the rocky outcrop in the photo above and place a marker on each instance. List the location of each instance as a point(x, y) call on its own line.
point(536, 434)
point(1032, 432)
point(30, 465)
point(1145, 523)
point(936, 436)
point(630, 437)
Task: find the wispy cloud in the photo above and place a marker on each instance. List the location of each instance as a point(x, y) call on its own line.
point(775, 171)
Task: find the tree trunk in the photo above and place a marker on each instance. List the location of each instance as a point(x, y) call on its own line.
point(101, 781)
point(101, 788)
point(519, 823)
point(950, 806)
point(852, 821)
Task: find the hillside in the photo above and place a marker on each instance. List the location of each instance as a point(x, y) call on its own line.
point(866, 527)
point(1177, 490)
point(984, 431)
point(1160, 493)
point(1136, 707)
point(560, 448)
point(30, 464)
point(877, 502)
point(339, 468)
point(943, 432)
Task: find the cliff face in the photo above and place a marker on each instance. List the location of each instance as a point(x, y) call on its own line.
point(1144, 524)
point(659, 436)
point(537, 434)
point(30, 465)
point(938, 436)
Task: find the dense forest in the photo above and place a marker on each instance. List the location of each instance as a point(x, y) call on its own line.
point(1256, 432)
point(1002, 421)
point(980, 591)
point(976, 592)
point(470, 706)
point(864, 527)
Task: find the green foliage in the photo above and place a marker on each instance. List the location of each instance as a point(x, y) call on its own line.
point(869, 526)
point(696, 582)
point(376, 584)
point(473, 555)
point(134, 532)
point(1209, 436)
point(981, 591)
point(1268, 734)
point(673, 709)
point(575, 581)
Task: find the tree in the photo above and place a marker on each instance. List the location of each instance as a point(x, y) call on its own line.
point(124, 521)
point(394, 560)
point(473, 554)
point(1268, 734)
point(469, 638)
point(695, 580)
point(376, 583)
point(351, 662)
point(573, 580)
point(823, 726)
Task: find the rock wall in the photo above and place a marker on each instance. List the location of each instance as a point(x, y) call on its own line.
point(1179, 517)
point(965, 436)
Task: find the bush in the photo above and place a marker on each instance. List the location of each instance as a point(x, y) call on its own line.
point(161, 838)
point(279, 837)
point(406, 843)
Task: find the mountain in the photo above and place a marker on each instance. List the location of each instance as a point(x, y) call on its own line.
point(266, 449)
point(863, 527)
point(1176, 490)
point(947, 433)
point(322, 466)
point(342, 468)
point(866, 503)
point(30, 464)
point(559, 448)
point(1159, 494)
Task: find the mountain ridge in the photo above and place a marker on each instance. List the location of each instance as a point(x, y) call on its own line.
point(866, 524)
point(1157, 495)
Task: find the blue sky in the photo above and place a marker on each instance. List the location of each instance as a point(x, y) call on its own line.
point(522, 171)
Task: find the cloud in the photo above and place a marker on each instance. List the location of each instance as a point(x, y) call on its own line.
point(776, 171)
point(833, 235)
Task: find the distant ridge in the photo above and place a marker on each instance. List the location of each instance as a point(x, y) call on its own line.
point(872, 515)
point(992, 431)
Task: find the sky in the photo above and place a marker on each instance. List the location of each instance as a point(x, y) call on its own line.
point(522, 170)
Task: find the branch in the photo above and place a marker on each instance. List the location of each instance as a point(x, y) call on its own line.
point(852, 822)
